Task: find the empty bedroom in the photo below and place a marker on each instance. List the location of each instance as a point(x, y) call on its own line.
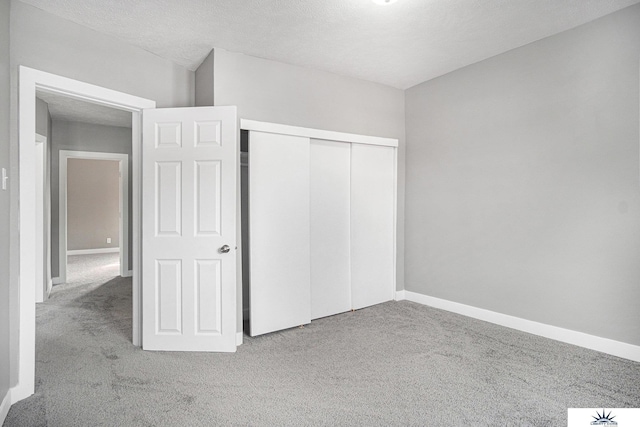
point(347, 212)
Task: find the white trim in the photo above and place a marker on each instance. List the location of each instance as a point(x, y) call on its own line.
point(128, 273)
point(136, 257)
point(394, 285)
point(315, 133)
point(55, 281)
point(5, 406)
point(123, 161)
point(239, 338)
point(15, 392)
point(43, 232)
point(93, 251)
point(400, 295)
point(604, 345)
point(30, 80)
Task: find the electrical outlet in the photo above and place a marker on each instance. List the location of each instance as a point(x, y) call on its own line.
point(108, 239)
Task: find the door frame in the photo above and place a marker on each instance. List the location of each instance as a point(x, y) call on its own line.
point(31, 80)
point(43, 222)
point(123, 197)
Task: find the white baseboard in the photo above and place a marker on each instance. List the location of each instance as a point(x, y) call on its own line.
point(128, 273)
point(4, 406)
point(21, 391)
point(93, 251)
point(239, 337)
point(604, 345)
point(400, 295)
point(55, 280)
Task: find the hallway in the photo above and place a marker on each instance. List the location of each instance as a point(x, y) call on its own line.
point(81, 321)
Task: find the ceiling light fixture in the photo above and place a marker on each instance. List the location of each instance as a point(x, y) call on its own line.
point(384, 2)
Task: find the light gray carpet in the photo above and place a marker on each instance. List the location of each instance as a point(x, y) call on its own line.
point(398, 363)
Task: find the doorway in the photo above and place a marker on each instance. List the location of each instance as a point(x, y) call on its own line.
point(31, 80)
point(83, 240)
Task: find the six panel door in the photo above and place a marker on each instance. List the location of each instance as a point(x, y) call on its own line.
point(189, 229)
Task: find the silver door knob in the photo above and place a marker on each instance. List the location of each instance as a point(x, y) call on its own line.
point(224, 249)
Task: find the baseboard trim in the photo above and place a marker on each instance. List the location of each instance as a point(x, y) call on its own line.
point(20, 392)
point(592, 342)
point(401, 295)
point(128, 273)
point(55, 280)
point(239, 337)
point(93, 251)
point(5, 406)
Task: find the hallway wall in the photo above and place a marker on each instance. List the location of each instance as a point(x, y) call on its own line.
point(93, 204)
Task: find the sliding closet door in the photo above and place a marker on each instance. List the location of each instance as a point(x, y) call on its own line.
point(279, 232)
point(330, 228)
point(372, 224)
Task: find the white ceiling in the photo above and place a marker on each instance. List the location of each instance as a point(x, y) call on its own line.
point(73, 110)
point(400, 45)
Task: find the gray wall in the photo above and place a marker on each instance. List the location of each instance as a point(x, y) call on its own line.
point(522, 181)
point(204, 82)
point(46, 42)
point(43, 118)
point(93, 204)
point(83, 137)
point(275, 92)
point(5, 303)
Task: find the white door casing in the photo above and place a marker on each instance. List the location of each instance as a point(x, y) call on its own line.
point(123, 197)
point(189, 214)
point(41, 251)
point(23, 239)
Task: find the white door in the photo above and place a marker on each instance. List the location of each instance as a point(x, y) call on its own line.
point(330, 227)
point(189, 165)
point(279, 232)
point(372, 224)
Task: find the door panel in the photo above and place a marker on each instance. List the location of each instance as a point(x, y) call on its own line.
point(330, 183)
point(189, 212)
point(208, 202)
point(372, 224)
point(169, 198)
point(279, 232)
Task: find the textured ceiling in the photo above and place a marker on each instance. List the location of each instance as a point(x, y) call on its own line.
point(73, 110)
point(400, 45)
